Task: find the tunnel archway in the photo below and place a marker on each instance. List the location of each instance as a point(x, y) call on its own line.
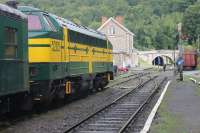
point(161, 60)
point(158, 61)
point(168, 60)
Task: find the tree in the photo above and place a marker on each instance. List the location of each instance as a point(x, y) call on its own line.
point(191, 22)
point(152, 21)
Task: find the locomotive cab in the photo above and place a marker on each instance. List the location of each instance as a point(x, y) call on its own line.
point(44, 34)
point(45, 42)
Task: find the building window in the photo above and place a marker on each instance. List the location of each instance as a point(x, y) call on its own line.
point(10, 43)
point(112, 30)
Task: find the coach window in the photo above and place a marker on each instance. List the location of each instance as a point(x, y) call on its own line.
point(87, 40)
point(75, 37)
point(49, 23)
point(10, 43)
point(99, 43)
point(84, 39)
point(105, 43)
point(79, 38)
point(92, 41)
point(72, 36)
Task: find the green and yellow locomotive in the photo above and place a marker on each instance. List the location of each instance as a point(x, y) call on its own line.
point(14, 79)
point(65, 58)
point(45, 57)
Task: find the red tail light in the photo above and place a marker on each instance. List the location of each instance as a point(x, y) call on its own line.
point(33, 71)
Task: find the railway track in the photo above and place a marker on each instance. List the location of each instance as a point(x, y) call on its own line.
point(128, 78)
point(12, 119)
point(115, 117)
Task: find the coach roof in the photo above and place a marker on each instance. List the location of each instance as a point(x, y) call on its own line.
point(4, 9)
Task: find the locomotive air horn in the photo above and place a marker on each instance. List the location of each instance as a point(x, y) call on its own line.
point(12, 3)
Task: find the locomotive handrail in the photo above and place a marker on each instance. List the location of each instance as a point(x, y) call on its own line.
point(16, 60)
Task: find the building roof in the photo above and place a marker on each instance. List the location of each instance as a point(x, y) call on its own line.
point(120, 25)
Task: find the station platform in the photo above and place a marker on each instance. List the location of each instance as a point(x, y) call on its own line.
point(179, 111)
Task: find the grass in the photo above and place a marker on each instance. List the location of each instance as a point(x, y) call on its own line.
point(167, 122)
point(198, 91)
point(198, 66)
point(144, 63)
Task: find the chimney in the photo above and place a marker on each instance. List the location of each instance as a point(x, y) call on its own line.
point(120, 19)
point(103, 19)
point(12, 3)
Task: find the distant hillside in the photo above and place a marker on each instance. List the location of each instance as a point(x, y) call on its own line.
point(152, 21)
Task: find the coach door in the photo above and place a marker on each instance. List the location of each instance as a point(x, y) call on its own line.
point(11, 67)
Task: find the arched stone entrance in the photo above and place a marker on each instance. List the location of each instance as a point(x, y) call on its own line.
point(161, 60)
point(158, 61)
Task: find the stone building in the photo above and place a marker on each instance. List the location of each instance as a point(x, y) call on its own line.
point(122, 40)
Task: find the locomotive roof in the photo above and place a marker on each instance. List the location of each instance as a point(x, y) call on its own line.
point(80, 28)
point(4, 9)
point(29, 9)
point(64, 22)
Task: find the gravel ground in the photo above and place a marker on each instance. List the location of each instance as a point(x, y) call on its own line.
point(58, 120)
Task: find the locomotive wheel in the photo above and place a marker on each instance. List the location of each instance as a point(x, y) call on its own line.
point(46, 96)
point(99, 89)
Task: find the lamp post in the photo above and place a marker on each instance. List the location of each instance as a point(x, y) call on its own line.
point(198, 44)
point(174, 60)
point(181, 51)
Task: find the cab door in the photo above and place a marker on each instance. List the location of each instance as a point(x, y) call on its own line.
point(65, 51)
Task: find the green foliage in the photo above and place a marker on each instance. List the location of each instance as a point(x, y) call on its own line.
point(191, 22)
point(153, 21)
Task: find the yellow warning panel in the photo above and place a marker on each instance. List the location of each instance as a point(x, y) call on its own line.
point(68, 87)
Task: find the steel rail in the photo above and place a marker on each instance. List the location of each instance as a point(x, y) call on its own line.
point(131, 119)
point(109, 105)
point(135, 77)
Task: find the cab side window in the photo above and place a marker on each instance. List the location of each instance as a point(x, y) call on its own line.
point(49, 23)
point(34, 23)
point(10, 43)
